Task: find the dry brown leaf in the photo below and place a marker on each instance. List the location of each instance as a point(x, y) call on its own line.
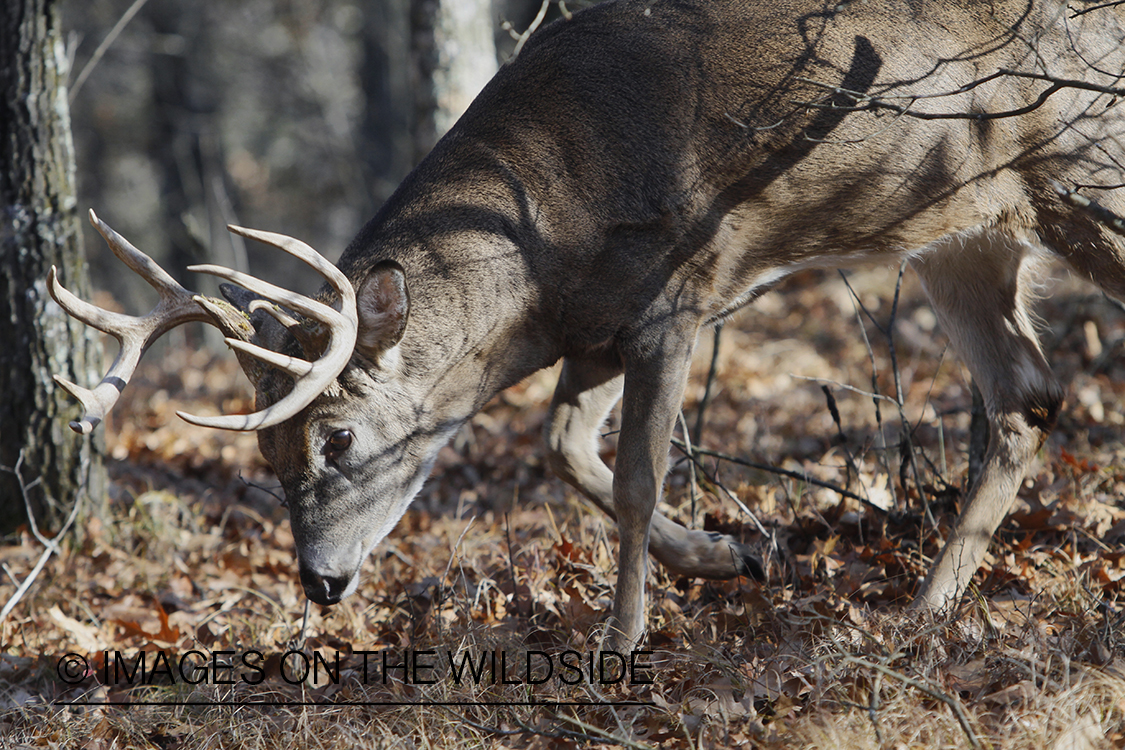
point(86, 637)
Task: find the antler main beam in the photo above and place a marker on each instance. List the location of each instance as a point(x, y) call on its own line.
point(177, 305)
point(311, 377)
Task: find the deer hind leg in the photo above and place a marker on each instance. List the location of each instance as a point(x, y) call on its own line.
point(980, 288)
point(586, 393)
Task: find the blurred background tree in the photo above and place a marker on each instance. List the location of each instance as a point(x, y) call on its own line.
point(44, 463)
point(297, 116)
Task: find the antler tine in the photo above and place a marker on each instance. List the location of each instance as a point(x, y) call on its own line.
point(300, 250)
point(287, 320)
point(276, 294)
point(134, 334)
point(311, 378)
point(138, 262)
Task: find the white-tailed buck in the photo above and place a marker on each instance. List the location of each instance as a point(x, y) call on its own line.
point(641, 170)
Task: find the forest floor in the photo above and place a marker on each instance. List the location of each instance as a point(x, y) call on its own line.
point(500, 563)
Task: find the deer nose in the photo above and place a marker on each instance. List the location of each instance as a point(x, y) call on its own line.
point(324, 589)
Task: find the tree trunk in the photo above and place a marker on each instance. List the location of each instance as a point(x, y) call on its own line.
point(454, 57)
point(39, 229)
point(387, 133)
point(466, 57)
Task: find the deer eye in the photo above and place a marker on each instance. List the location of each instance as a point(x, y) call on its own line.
point(338, 442)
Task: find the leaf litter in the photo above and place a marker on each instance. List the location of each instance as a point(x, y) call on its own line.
point(499, 560)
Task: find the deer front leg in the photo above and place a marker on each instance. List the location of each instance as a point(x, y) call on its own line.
point(586, 392)
point(980, 288)
point(656, 369)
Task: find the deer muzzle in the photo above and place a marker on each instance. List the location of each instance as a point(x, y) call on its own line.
point(327, 589)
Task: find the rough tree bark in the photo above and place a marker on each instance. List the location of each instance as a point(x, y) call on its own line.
point(39, 228)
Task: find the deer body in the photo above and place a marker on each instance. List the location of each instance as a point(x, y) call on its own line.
point(646, 168)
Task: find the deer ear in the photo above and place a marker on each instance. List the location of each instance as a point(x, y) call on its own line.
point(383, 306)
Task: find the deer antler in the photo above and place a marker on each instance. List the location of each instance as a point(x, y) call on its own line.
point(177, 305)
point(311, 378)
point(135, 335)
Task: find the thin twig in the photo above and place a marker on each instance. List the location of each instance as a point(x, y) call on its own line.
point(1102, 214)
point(51, 545)
point(714, 480)
point(512, 564)
point(624, 741)
point(869, 103)
point(281, 499)
point(302, 636)
point(900, 398)
point(561, 734)
point(1092, 8)
point(99, 53)
point(453, 552)
point(521, 39)
point(873, 707)
point(449, 565)
point(712, 371)
point(930, 690)
point(798, 475)
point(825, 382)
point(691, 467)
point(882, 451)
point(842, 439)
point(17, 470)
point(861, 139)
point(906, 445)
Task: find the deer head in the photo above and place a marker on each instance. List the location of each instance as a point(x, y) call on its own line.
point(296, 351)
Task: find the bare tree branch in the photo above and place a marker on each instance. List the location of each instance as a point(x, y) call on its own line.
point(869, 103)
point(1101, 213)
point(51, 546)
point(1092, 8)
point(99, 53)
point(521, 39)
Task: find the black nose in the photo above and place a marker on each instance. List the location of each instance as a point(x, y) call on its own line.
point(323, 589)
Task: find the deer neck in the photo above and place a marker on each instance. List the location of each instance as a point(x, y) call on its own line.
point(477, 321)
